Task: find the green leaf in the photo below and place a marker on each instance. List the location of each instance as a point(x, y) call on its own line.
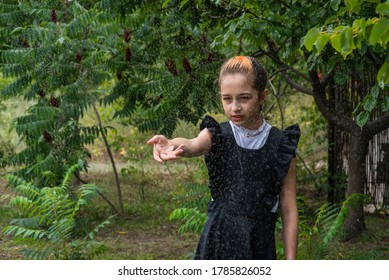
point(383, 75)
point(183, 3)
point(383, 9)
point(353, 5)
point(375, 91)
point(311, 38)
point(321, 42)
point(363, 118)
point(16, 30)
point(380, 32)
point(385, 104)
point(226, 37)
point(165, 3)
point(335, 4)
point(335, 38)
point(61, 40)
point(340, 78)
point(370, 101)
point(347, 41)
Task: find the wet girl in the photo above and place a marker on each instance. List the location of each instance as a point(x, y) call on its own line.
point(251, 166)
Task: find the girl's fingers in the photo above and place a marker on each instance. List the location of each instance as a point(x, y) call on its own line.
point(153, 140)
point(157, 157)
point(171, 154)
point(161, 154)
point(179, 149)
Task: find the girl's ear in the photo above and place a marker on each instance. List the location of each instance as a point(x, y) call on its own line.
point(263, 95)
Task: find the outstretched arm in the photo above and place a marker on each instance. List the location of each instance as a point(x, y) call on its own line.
point(289, 213)
point(169, 149)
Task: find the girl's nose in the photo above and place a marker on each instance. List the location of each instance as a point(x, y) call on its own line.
point(236, 107)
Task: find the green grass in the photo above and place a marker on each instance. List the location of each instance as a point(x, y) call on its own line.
point(373, 244)
point(146, 231)
point(8, 250)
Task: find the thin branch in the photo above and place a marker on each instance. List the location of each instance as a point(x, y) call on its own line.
point(99, 193)
point(376, 60)
point(245, 10)
point(297, 86)
point(281, 64)
point(309, 171)
point(116, 176)
point(274, 92)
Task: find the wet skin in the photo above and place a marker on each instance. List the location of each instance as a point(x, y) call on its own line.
point(241, 102)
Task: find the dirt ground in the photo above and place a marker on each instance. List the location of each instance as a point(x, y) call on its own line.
point(122, 239)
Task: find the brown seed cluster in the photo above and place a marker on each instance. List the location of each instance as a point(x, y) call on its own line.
point(128, 54)
point(41, 93)
point(47, 136)
point(171, 66)
point(78, 57)
point(127, 36)
point(54, 102)
point(53, 15)
point(186, 65)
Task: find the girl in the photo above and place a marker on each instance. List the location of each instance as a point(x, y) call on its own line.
point(251, 166)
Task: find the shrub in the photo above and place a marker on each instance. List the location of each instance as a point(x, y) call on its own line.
point(47, 218)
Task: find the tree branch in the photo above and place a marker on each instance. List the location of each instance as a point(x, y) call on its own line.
point(275, 93)
point(281, 64)
point(330, 114)
point(297, 86)
point(377, 125)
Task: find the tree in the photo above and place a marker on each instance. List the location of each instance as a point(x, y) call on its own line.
point(362, 33)
point(54, 53)
point(278, 28)
point(67, 57)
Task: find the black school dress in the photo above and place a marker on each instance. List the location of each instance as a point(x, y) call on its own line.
point(244, 185)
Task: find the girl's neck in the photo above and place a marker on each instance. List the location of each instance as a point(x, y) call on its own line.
point(254, 124)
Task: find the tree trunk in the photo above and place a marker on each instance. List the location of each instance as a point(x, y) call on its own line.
point(355, 221)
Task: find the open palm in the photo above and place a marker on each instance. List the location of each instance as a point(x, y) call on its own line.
point(164, 149)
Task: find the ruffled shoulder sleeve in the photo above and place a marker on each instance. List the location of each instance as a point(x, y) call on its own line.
point(287, 150)
point(213, 126)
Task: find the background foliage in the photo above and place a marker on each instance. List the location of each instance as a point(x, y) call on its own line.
point(82, 67)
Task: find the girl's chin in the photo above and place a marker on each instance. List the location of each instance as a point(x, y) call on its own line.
point(244, 123)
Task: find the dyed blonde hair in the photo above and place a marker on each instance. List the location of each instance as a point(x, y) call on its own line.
point(248, 66)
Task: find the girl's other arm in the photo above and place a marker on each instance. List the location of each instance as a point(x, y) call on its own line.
point(169, 149)
point(289, 212)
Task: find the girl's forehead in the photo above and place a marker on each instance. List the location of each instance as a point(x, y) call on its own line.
point(236, 84)
point(236, 78)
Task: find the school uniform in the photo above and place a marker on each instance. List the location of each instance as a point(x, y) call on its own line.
point(245, 180)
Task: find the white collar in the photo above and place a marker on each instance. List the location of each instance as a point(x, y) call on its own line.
point(249, 132)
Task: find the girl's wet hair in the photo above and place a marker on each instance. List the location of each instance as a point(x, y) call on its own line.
point(245, 65)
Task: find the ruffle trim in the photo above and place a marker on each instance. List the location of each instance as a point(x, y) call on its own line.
point(213, 126)
point(286, 151)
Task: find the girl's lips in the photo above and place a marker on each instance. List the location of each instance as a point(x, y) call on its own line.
point(236, 118)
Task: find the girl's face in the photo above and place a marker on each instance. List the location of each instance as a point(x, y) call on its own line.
point(241, 102)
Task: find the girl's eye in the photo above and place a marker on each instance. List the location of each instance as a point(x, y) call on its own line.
point(245, 97)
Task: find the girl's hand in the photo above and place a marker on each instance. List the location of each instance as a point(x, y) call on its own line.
point(164, 149)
